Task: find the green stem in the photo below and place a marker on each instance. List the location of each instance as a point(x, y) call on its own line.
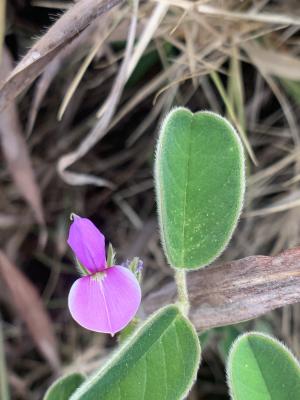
point(183, 297)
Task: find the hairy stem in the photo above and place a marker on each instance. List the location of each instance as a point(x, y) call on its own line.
point(183, 297)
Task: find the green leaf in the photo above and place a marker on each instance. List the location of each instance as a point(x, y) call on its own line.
point(261, 368)
point(64, 387)
point(158, 362)
point(200, 184)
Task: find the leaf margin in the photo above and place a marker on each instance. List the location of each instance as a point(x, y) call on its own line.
point(279, 345)
point(61, 380)
point(117, 355)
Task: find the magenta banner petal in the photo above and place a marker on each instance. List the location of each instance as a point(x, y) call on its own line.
point(107, 301)
point(88, 244)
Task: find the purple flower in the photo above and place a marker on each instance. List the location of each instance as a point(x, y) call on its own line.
point(106, 298)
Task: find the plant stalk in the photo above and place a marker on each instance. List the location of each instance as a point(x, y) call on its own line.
point(183, 297)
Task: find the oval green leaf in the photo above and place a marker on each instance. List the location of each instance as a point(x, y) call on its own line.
point(64, 387)
point(159, 361)
point(200, 184)
point(261, 368)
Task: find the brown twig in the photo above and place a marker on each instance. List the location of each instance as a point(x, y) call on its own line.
point(237, 291)
point(62, 33)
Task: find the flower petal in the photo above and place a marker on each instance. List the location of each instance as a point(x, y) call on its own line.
point(88, 244)
point(105, 302)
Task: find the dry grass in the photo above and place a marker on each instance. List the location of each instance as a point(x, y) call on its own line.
point(91, 134)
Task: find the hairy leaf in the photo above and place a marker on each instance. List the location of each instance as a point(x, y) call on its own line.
point(64, 387)
point(199, 174)
point(261, 368)
point(159, 361)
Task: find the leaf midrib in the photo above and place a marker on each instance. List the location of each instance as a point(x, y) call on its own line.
point(144, 356)
point(172, 324)
point(114, 363)
point(186, 184)
point(260, 370)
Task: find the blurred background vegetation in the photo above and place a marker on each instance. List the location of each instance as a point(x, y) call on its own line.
point(81, 139)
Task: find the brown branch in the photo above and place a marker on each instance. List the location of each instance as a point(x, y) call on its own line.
point(62, 33)
point(237, 291)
